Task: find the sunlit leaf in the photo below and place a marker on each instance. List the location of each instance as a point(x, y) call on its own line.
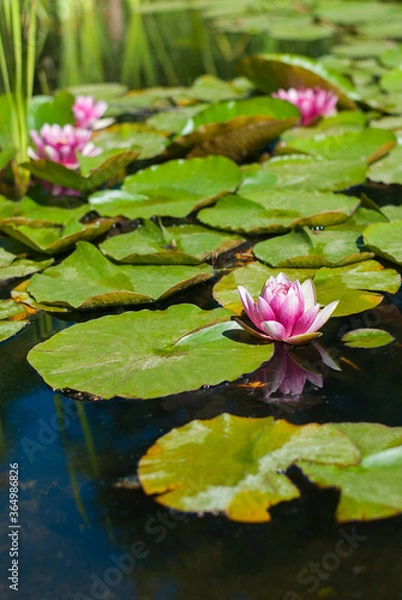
point(367, 338)
point(149, 354)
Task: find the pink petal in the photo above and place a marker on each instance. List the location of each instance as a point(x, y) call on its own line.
point(323, 316)
point(306, 320)
point(249, 306)
point(265, 312)
point(309, 295)
point(274, 329)
point(289, 313)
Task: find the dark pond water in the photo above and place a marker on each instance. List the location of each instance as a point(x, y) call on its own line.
point(83, 537)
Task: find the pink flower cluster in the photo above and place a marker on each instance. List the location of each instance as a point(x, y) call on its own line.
point(62, 144)
point(311, 102)
point(285, 311)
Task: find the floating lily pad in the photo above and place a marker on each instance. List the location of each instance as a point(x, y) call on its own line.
point(148, 354)
point(12, 319)
point(53, 240)
point(269, 72)
point(276, 211)
point(367, 338)
point(224, 112)
point(238, 139)
point(388, 169)
point(372, 488)
point(95, 171)
point(29, 212)
point(173, 120)
point(87, 279)
point(236, 465)
point(181, 244)
point(358, 287)
point(51, 109)
point(305, 172)
point(133, 136)
point(369, 144)
point(385, 240)
point(175, 188)
point(208, 88)
point(22, 267)
point(305, 248)
point(350, 12)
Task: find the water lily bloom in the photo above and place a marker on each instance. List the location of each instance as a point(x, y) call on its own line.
point(88, 113)
point(61, 145)
point(311, 102)
point(285, 311)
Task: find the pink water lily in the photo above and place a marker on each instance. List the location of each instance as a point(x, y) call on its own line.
point(88, 113)
point(311, 102)
point(285, 311)
point(61, 145)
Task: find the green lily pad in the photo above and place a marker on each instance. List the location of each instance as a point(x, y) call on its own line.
point(305, 172)
point(388, 169)
point(369, 144)
point(97, 170)
point(148, 354)
point(367, 338)
point(305, 248)
point(133, 136)
point(346, 120)
point(100, 91)
point(208, 88)
point(392, 81)
point(175, 188)
point(10, 328)
point(352, 12)
point(358, 286)
point(22, 267)
point(385, 240)
point(371, 489)
point(173, 120)
point(56, 239)
point(238, 139)
point(87, 279)
point(181, 244)
point(236, 465)
point(392, 212)
point(226, 111)
point(12, 319)
point(269, 72)
point(276, 211)
point(29, 212)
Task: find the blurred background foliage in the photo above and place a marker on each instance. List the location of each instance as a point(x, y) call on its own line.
point(148, 42)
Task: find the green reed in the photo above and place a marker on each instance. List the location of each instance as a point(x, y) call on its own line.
point(17, 71)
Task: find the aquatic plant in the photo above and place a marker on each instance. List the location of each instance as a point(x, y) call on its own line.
point(88, 113)
point(312, 102)
point(285, 311)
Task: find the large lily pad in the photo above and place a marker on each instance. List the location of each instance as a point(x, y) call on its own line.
point(240, 138)
point(149, 354)
point(305, 172)
point(30, 212)
point(87, 279)
point(133, 136)
point(385, 240)
point(226, 111)
point(236, 465)
point(277, 210)
point(358, 287)
point(174, 189)
point(181, 244)
point(388, 169)
point(269, 72)
point(369, 144)
point(305, 248)
point(372, 488)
